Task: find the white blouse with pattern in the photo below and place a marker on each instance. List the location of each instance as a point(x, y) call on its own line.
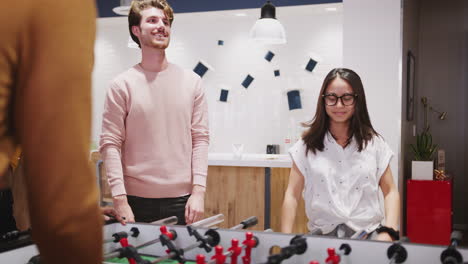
point(341, 185)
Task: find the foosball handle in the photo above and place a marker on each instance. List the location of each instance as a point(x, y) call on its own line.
point(249, 222)
point(236, 250)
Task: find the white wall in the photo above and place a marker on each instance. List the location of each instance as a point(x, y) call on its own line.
point(372, 47)
point(364, 35)
point(256, 116)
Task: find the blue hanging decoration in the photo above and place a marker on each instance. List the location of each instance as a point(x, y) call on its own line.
point(247, 81)
point(294, 100)
point(269, 56)
point(224, 95)
point(200, 69)
point(311, 65)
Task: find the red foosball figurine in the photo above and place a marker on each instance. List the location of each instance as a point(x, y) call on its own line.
point(236, 250)
point(219, 256)
point(124, 243)
point(249, 243)
point(171, 235)
point(333, 258)
point(164, 231)
point(200, 259)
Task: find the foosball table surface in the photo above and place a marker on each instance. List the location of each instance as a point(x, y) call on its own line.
point(362, 251)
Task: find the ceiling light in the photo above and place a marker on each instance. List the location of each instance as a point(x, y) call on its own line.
point(124, 8)
point(268, 29)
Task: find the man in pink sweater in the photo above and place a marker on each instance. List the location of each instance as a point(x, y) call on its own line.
point(155, 135)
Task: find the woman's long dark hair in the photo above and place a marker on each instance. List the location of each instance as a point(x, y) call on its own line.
point(360, 125)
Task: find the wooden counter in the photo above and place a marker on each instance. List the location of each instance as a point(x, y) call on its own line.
point(239, 192)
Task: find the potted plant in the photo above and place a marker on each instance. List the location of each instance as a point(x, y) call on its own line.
point(422, 167)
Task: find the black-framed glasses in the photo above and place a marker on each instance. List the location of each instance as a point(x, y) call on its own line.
point(346, 99)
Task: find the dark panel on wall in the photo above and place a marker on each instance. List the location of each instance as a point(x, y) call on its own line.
point(247, 81)
point(200, 69)
point(186, 6)
point(294, 100)
point(224, 95)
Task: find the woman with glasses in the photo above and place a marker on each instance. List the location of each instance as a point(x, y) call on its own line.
point(339, 166)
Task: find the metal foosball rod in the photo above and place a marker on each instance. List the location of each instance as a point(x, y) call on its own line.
point(171, 220)
point(134, 232)
point(235, 250)
point(210, 221)
point(171, 233)
point(251, 221)
point(208, 241)
point(130, 252)
point(118, 253)
point(207, 222)
point(297, 246)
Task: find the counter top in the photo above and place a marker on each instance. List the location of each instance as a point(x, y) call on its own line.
point(250, 160)
point(246, 160)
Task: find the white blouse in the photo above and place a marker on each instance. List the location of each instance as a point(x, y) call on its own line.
point(341, 185)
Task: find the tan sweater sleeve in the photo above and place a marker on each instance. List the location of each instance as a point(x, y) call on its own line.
point(53, 113)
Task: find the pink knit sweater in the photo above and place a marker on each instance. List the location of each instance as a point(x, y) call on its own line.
point(155, 135)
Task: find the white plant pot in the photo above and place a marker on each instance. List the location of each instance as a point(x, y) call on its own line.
point(422, 170)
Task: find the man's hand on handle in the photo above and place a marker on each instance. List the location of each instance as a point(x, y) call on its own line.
point(123, 209)
point(195, 207)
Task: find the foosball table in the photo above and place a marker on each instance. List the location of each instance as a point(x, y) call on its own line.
point(203, 243)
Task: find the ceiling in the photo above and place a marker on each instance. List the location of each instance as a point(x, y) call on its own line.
point(187, 6)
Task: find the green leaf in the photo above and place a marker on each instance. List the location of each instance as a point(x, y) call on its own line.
point(424, 148)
